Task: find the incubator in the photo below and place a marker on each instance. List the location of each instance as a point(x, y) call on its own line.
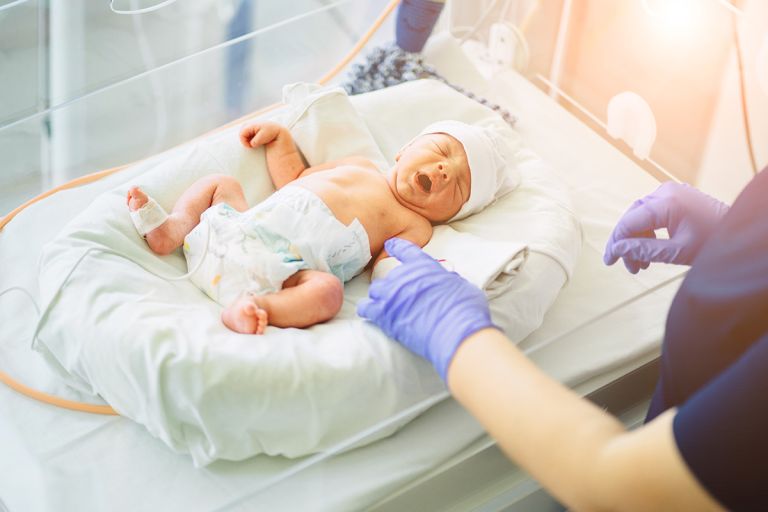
point(607, 98)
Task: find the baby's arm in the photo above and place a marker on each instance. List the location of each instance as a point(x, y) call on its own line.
point(284, 162)
point(418, 232)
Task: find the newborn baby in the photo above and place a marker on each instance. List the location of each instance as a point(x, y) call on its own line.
point(283, 262)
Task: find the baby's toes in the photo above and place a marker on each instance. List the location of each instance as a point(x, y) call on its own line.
point(263, 321)
point(258, 315)
point(136, 198)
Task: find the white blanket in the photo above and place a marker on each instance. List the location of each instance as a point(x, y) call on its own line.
point(158, 353)
point(491, 265)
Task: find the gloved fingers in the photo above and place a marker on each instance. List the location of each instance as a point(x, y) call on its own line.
point(669, 188)
point(651, 215)
point(635, 204)
point(632, 266)
point(462, 283)
point(638, 222)
point(409, 275)
point(405, 251)
point(363, 306)
point(378, 288)
point(635, 266)
point(370, 309)
point(610, 256)
point(647, 250)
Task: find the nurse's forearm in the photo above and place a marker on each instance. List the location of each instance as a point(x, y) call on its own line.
point(581, 454)
point(546, 428)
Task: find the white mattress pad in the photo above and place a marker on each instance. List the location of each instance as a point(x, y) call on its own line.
point(157, 352)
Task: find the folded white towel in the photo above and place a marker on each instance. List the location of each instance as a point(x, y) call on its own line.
point(491, 265)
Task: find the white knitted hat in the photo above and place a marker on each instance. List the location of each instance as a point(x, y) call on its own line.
point(489, 156)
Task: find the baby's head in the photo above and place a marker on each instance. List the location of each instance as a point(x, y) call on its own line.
point(449, 171)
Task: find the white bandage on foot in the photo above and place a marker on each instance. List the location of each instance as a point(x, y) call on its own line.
point(148, 217)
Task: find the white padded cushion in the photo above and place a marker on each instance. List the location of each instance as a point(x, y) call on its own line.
point(326, 127)
point(158, 353)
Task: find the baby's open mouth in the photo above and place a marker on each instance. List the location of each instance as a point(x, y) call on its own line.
point(425, 182)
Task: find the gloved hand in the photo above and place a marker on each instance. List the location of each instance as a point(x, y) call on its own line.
point(423, 306)
point(689, 215)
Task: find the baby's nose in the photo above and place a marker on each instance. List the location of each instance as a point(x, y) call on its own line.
point(438, 176)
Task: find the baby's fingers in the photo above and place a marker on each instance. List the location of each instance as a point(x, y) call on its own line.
point(246, 135)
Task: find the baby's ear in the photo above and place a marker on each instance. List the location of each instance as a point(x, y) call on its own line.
point(398, 155)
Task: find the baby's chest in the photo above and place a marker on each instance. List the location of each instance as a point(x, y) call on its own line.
point(381, 217)
point(376, 211)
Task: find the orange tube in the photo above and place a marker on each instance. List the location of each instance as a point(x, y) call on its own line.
point(54, 400)
point(363, 40)
point(89, 178)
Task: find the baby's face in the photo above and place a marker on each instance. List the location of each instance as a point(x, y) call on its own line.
point(431, 176)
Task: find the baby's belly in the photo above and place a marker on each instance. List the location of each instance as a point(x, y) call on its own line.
point(378, 216)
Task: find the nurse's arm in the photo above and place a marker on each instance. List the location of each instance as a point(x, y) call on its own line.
point(581, 454)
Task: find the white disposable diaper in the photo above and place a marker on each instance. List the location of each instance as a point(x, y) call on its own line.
point(257, 250)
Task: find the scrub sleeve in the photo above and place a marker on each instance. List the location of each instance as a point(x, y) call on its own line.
point(714, 362)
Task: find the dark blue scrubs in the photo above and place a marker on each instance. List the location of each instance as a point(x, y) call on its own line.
point(714, 363)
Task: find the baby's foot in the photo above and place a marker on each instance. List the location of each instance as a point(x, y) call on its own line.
point(162, 239)
point(245, 316)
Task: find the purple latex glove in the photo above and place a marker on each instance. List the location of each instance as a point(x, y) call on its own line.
point(428, 309)
point(689, 215)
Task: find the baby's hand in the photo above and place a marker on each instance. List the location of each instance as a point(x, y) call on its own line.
point(259, 134)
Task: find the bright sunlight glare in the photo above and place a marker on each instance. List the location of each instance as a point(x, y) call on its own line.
point(679, 16)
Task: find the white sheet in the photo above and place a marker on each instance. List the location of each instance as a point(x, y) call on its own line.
point(55, 459)
point(158, 353)
point(491, 265)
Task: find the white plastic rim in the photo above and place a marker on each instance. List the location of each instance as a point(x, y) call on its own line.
point(131, 9)
point(4, 7)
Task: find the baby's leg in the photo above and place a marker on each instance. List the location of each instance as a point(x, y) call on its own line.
point(308, 297)
point(203, 194)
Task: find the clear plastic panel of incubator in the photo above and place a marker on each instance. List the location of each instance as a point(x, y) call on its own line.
point(85, 88)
